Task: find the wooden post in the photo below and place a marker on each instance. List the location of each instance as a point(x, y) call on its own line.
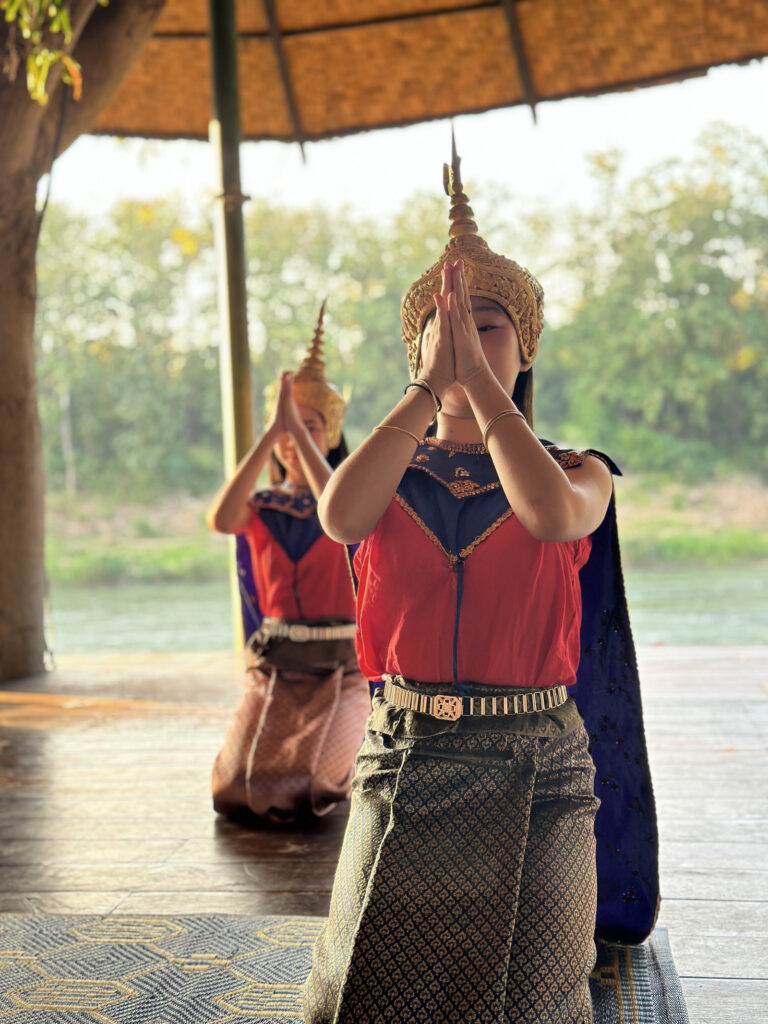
point(234, 355)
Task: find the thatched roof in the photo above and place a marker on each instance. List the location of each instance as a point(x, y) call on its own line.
point(310, 69)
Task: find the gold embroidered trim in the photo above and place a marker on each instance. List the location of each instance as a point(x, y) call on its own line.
point(567, 458)
point(470, 448)
point(424, 528)
point(464, 551)
point(460, 488)
point(257, 503)
point(486, 533)
point(466, 488)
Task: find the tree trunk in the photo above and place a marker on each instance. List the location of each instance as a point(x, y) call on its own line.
point(21, 477)
point(106, 40)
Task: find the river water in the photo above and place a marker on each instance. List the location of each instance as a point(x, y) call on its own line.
point(670, 605)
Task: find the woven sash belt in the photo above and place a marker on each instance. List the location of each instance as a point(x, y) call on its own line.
point(301, 633)
point(450, 708)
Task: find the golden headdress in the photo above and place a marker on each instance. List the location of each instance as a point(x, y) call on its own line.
point(311, 387)
point(488, 274)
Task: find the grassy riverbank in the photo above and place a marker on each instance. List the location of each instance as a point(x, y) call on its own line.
point(662, 523)
point(97, 541)
point(135, 560)
point(720, 522)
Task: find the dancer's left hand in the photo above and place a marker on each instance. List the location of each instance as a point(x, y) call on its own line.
point(291, 416)
point(469, 358)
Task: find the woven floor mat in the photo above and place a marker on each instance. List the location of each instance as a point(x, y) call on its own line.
point(217, 969)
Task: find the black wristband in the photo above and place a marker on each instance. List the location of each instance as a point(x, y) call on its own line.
point(426, 389)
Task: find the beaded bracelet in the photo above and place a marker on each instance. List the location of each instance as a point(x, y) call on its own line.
point(391, 426)
point(424, 387)
point(498, 416)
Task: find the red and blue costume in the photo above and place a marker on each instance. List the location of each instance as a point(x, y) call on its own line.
point(557, 613)
point(288, 568)
point(478, 862)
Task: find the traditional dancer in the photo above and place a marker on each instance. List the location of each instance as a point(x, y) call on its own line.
point(291, 745)
point(488, 584)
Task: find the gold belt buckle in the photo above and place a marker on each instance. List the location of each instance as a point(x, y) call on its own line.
point(446, 707)
point(298, 632)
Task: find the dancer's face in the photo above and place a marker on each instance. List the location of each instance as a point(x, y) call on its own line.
point(499, 341)
point(285, 449)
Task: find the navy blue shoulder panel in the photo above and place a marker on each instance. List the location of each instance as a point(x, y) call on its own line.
point(291, 518)
point(300, 504)
point(453, 490)
point(295, 536)
point(456, 522)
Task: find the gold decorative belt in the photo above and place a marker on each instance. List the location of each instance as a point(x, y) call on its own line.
point(300, 632)
point(450, 708)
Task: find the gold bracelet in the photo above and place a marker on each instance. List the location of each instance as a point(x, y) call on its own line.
point(498, 416)
point(391, 426)
point(424, 386)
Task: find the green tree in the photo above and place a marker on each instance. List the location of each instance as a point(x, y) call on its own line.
point(654, 348)
point(665, 355)
point(126, 364)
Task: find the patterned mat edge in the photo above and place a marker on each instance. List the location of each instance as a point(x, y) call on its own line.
point(670, 1001)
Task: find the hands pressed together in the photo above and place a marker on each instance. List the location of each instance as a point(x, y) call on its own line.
point(229, 512)
point(450, 347)
point(286, 418)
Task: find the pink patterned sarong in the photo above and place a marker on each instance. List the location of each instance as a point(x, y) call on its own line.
point(291, 745)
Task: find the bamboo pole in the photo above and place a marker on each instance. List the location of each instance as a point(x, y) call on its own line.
point(234, 356)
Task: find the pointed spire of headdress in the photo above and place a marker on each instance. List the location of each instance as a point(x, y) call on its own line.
point(313, 364)
point(312, 388)
point(461, 213)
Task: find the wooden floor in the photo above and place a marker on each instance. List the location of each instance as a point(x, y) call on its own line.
point(104, 770)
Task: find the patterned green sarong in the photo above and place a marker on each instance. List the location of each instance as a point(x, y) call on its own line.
point(466, 888)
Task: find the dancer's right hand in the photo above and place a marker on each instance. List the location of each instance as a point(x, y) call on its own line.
point(436, 350)
point(277, 425)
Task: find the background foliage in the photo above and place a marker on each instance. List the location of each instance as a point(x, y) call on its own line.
point(655, 346)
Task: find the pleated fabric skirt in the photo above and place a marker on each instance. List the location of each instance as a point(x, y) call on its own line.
point(466, 887)
point(290, 749)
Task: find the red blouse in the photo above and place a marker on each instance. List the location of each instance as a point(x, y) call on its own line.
point(501, 609)
point(299, 572)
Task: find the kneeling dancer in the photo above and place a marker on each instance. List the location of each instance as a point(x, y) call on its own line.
point(289, 750)
point(467, 888)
